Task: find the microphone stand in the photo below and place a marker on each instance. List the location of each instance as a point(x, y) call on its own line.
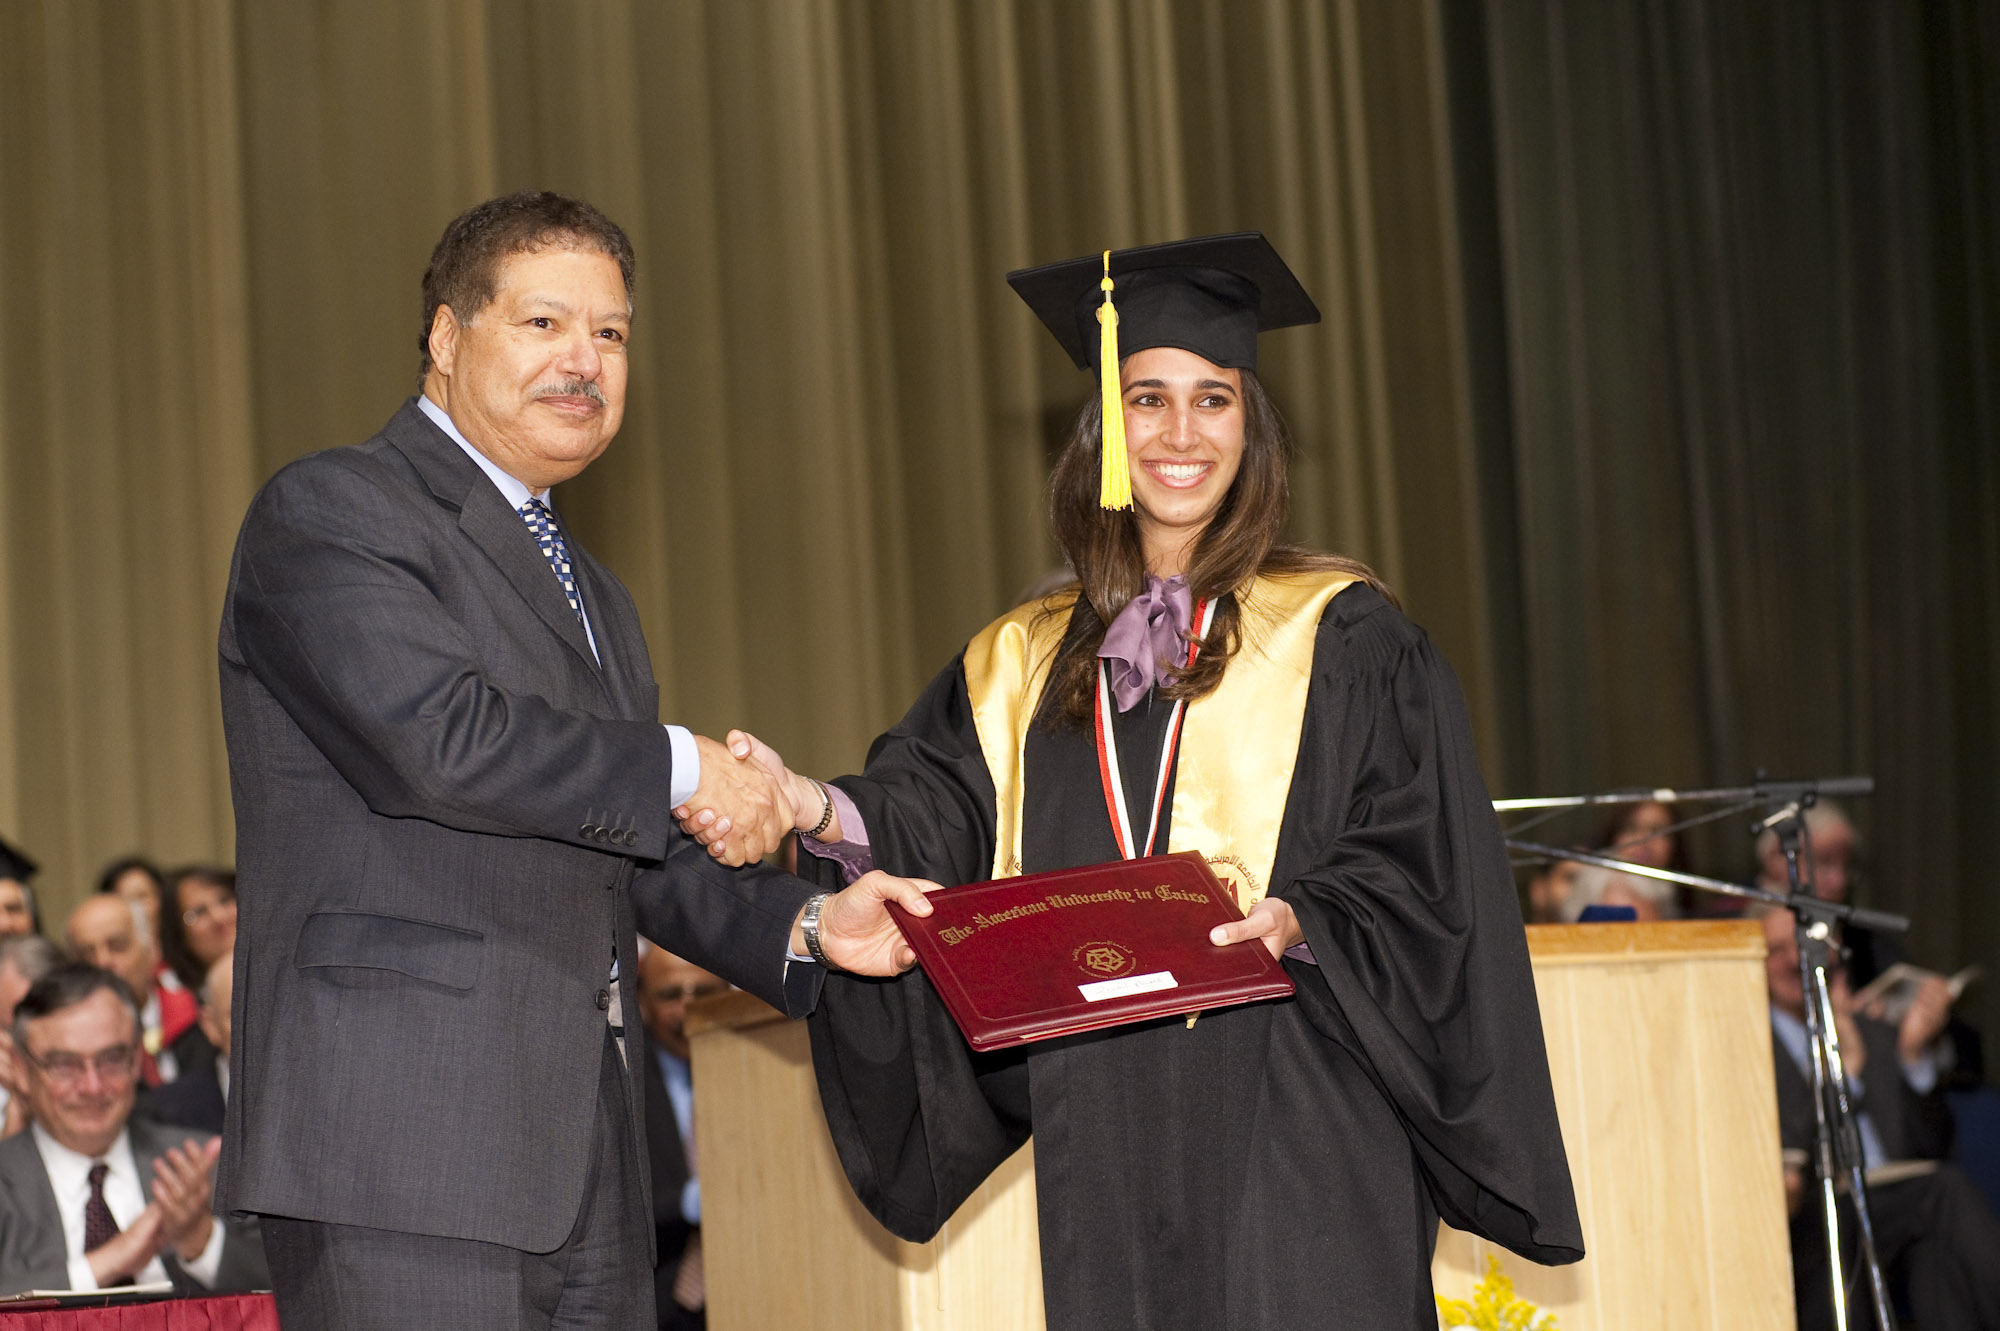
point(1836, 1134)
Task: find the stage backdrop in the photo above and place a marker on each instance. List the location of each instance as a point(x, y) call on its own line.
point(1656, 370)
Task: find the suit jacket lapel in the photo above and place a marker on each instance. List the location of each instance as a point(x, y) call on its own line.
point(620, 645)
point(458, 483)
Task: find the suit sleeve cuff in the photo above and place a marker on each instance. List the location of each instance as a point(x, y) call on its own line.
point(687, 765)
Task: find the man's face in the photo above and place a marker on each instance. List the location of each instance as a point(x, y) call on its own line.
point(80, 1072)
point(101, 933)
point(1781, 963)
point(1832, 860)
point(666, 983)
point(536, 379)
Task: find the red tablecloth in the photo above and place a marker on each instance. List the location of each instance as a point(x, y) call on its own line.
point(235, 1312)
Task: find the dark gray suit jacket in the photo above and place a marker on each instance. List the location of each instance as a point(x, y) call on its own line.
point(447, 812)
point(1910, 1126)
point(33, 1253)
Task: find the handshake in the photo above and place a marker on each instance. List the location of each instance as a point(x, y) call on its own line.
point(748, 800)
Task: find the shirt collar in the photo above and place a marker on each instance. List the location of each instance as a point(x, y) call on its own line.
point(69, 1171)
point(513, 489)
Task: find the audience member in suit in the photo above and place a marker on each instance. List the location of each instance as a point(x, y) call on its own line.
point(666, 984)
point(196, 1099)
point(113, 933)
point(24, 959)
point(91, 1197)
point(1836, 847)
point(1933, 1232)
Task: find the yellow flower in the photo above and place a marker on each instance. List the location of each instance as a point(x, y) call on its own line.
point(1494, 1306)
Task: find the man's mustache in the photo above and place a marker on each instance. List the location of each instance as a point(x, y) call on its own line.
point(571, 388)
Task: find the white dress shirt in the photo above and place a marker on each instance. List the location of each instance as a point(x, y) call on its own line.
point(69, 1177)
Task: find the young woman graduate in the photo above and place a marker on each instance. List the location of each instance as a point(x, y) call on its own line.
point(1273, 1165)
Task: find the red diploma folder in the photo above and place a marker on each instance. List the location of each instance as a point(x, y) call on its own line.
point(1049, 954)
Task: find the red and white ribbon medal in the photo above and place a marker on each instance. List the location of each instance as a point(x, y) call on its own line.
point(1107, 750)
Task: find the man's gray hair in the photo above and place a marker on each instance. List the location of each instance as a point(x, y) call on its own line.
point(1823, 817)
point(31, 954)
point(64, 987)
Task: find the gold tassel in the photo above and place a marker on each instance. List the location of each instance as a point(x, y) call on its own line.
point(1115, 484)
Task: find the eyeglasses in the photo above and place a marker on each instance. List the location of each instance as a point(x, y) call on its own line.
point(196, 914)
point(66, 1070)
point(681, 993)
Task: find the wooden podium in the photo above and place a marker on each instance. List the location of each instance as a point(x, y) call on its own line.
point(1660, 1050)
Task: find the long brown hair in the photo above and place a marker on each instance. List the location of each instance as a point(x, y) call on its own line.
point(1239, 543)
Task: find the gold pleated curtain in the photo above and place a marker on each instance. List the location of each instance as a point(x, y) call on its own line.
point(214, 216)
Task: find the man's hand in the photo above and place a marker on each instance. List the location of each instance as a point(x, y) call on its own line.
point(1929, 1011)
point(855, 929)
point(122, 1255)
point(1272, 921)
point(739, 811)
point(183, 1185)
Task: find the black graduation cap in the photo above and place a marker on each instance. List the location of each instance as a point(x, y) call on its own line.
point(1210, 295)
point(15, 865)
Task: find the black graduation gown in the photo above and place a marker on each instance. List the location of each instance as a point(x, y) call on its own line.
point(1279, 1164)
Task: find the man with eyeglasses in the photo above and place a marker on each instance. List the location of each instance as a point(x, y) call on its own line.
point(91, 1198)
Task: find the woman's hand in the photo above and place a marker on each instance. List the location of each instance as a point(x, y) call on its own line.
point(1270, 920)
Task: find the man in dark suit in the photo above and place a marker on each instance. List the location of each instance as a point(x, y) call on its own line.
point(454, 802)
point(91, 1197)
point(1933, 1232)
point(199, 1097)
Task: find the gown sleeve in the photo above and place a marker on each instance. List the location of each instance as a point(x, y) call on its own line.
point(918, 1118)
point(1393, 861)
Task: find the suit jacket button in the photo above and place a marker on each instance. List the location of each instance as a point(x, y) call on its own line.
point(605, 834)
point(603, 1000)
point(587, 831)
point(631, 837)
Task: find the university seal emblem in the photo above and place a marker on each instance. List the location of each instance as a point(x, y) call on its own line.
point(1105, 960)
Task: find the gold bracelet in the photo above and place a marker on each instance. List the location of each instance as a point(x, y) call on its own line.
point(826, 811)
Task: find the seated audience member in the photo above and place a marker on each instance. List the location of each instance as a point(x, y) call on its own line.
point(666, 984)
point(1835, 850)
point(199, 926)
point(1549, 887)
point(1594, 885)
point(197, 1098)
point(91, 1197)
point(110, 932)
point(1637, 832)
point(137, 880)
point(1937, 1239)
point(24, 959)
point(18, 913)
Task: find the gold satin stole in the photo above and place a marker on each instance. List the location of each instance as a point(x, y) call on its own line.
point(1238, 745)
